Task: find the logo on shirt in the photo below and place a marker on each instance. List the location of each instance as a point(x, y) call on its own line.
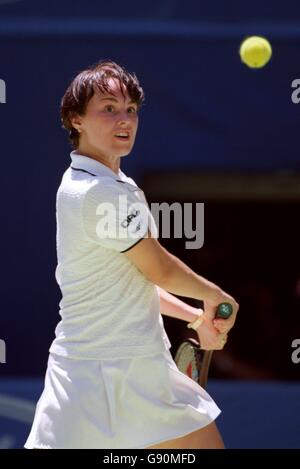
point(129, 218)
point(136, 219)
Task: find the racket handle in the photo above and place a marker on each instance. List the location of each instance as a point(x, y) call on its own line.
point(224, 310)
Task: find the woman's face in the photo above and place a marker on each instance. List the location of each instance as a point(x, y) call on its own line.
point(107, 116)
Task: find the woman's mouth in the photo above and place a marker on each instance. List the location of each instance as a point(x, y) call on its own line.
point(124, 136)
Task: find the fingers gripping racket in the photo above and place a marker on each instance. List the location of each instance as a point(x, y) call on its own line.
point(193, 361)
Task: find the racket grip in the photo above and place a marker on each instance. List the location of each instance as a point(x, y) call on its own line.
point(224, 310)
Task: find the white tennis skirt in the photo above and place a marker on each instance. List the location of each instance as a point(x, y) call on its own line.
point(117, 403)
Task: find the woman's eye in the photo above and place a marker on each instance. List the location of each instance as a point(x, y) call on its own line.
point(109, 108)
point(132, 110)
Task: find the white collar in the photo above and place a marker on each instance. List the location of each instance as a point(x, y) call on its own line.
point(93, 166)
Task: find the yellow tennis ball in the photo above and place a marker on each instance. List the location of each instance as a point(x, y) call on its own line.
point(255, 51)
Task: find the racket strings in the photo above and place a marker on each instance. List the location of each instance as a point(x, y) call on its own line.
point(187, 360)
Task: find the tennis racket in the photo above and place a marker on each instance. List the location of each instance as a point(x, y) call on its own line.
point(193, 361)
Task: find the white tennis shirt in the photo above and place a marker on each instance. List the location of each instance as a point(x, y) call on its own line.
point(109, 309)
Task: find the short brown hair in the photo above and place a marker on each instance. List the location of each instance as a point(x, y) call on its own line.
point(83, 87)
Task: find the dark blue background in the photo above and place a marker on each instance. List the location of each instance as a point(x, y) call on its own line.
point(204, 110)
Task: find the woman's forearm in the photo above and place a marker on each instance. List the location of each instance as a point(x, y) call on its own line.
point(175, 308)
point(183, 281)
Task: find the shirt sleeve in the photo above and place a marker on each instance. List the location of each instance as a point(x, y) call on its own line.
point(116, 217)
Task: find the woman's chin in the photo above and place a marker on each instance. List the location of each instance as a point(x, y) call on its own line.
point(124, 153)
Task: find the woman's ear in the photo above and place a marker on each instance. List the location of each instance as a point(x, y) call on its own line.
point(76, 122)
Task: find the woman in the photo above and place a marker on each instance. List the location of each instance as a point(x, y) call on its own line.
point(111, 381)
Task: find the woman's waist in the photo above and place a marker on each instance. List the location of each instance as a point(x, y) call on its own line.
point(122, 345)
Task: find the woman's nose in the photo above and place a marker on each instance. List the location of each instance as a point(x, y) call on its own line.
point(123, 117)
point(123, 123)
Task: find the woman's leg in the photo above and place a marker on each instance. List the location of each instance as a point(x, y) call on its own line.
point(208, 437)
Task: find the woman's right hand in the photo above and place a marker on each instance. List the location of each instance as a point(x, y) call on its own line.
point(209, 336)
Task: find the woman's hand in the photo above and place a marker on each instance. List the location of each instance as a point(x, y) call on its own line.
point(209, 336)
point(222, 325)
point(213, 331)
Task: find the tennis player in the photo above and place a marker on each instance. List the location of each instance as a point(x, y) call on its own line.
point(111, 381)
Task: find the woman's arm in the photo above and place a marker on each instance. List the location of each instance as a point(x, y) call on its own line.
point(175, 308)
point(172, 275)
